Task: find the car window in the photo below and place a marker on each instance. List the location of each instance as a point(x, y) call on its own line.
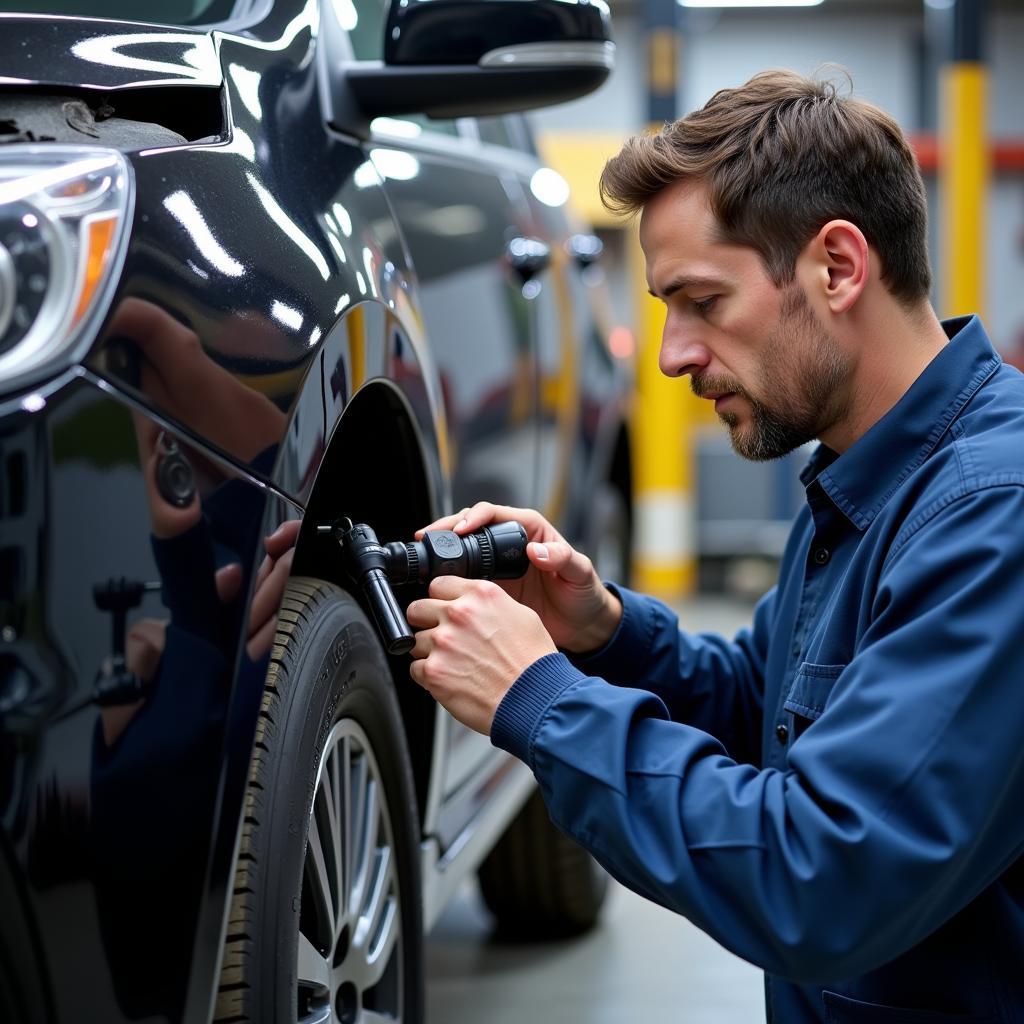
point(364, 21)
point(497, 131)
point(509, 130)
point(162, 12)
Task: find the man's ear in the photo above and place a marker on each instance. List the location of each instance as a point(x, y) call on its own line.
point(840, 263)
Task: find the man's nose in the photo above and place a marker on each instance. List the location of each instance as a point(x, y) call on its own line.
point(682, 351)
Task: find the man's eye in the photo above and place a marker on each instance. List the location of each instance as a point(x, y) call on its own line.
point(705, 305)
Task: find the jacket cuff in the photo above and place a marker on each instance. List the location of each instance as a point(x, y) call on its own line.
point(522, 708)
point(630, 644)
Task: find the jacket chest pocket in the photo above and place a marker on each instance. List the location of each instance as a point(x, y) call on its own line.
point(809, 693)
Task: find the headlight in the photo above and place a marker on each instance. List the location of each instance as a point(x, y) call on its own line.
point(64, 215)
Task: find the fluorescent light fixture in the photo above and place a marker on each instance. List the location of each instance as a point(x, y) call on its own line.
point(749, 3)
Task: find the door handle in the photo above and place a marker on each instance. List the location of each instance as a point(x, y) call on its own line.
point(527, 256)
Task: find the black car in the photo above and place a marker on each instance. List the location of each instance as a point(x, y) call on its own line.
point(265, 265)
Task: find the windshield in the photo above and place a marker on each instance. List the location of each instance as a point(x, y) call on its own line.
point(161, 12)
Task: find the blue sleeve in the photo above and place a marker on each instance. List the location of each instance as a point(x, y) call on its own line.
point(897, 807)
point(704, 680)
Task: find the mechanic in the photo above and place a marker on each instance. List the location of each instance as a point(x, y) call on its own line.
point(836, 794)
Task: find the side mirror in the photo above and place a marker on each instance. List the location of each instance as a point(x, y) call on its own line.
point(466, 58)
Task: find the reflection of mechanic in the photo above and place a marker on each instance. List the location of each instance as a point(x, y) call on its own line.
point(155, 765)
point(195, 545)
point(836, 794)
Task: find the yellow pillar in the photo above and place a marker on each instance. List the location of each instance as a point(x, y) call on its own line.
point(662, 434)
point(664, 444)
point(964, 167)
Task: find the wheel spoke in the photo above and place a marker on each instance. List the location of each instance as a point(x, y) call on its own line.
point(326, 805)
point(373, 1017)
point(337, 806)
point(380, 888)
point(378, 924)
point(356, 792)
point(313, 970)
point(366, 837)
point(348, 811)
point(319, 879)
point(378, 955)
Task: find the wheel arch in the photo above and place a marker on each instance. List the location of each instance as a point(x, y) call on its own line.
point(374, 470)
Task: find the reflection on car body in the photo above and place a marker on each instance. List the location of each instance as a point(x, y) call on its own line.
point(284, 315)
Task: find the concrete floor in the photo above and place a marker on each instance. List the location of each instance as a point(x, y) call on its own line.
point(641, 964)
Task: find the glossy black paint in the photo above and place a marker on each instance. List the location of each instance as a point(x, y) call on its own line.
point(105, 54)
point(462, 31)
point(267, 303)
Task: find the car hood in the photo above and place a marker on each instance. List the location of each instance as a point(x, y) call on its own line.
point(98, 54)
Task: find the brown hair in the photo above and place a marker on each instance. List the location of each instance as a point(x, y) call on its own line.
point(783, 155)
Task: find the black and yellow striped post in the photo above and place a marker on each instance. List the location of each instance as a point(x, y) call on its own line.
point(663, 442)
point(964, 168)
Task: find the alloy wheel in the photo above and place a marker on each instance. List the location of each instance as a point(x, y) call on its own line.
point(349, 968)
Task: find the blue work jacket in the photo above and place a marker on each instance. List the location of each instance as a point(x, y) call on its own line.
point(837, 794)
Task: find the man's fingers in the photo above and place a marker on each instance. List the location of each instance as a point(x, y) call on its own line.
point(424, 613)
point(563, 558)
point(283, 538)
point(444, 523)
point(483, 513)
point(144, 646)
point(416, 673)
point(259, 643)
point(263, 572)
point(227, 580)
point(448, 588)
point(267, 597)
point(265, 602)
point(424, 644)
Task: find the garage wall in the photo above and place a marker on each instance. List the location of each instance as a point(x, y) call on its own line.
point(881, 50)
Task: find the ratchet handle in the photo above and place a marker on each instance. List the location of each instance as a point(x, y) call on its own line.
point(394, 630)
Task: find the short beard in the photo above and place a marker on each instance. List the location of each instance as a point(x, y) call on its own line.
point(803, 406)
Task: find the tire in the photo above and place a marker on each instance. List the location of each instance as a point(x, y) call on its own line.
point(326, 920)
point(538, 883)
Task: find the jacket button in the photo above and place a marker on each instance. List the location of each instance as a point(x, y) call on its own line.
point(782, 731)
point(822, 555)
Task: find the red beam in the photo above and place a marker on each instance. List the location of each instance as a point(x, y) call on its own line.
point(1007, 154)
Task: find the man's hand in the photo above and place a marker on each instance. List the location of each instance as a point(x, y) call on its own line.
point(474, 642)
point(561, 586)
point(271, 579)
point(180, 378)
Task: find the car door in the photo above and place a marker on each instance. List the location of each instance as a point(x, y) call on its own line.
point(462, 218)
point(458, 217)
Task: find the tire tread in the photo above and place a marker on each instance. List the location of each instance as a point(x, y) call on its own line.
point(234, 1004)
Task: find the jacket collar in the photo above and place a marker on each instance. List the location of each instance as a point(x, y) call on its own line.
point(863, 478)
